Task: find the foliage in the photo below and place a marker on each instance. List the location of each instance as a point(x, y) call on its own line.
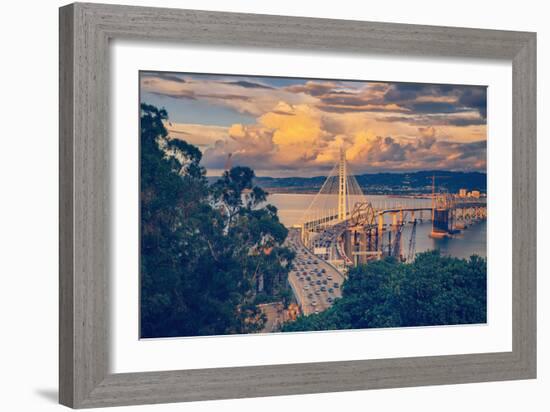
point(433, 290)
point(206, 251)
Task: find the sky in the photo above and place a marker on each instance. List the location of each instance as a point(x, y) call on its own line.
point(285, 127)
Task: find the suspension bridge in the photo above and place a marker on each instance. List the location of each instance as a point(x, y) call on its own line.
point(341, 228)
point(344, 228)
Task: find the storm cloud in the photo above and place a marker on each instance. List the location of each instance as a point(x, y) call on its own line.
point(298, 127)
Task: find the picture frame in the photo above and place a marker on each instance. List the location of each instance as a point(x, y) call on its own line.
point(84, 356)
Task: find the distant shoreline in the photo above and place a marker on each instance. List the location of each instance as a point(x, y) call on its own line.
point(411, 184)
point(288, 191)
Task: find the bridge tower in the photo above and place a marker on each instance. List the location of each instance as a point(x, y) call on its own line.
point(342, 187)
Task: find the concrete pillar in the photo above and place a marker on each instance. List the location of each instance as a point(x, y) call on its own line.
point(363, 246)
point(380, 232)
point(348, 243)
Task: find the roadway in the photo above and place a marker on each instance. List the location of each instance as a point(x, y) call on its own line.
point(314, 282)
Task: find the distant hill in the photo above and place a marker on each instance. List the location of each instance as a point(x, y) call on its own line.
point(383, 183)
point(421, 182)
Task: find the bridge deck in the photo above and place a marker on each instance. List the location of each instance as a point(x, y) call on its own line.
point(306, 294)
point(334, 218)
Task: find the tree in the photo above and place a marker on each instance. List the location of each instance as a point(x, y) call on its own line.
point(203, 248)
point(433, 290)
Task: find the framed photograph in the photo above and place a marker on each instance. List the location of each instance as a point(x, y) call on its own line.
point(256, 205)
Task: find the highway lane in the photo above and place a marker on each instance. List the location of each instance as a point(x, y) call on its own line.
point(315, 283)
point(328, 239)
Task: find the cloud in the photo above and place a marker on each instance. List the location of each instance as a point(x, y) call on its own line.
point(226, 97)
point(435, 99)
point(388, 153)
point(176, 94)
point(287, 137)
point(385, 149)
point(249, 85)
point(244, 96)
point(299, 129)
point(428, 132)
point(300, 140)
point(254, 98)
point(250, 146)
point(162, 75)
point(199, 135)
point(313, 88)
point(342, 97)
point(475, 97)
point(397, 98)
point(460, 119)
point(427, 137)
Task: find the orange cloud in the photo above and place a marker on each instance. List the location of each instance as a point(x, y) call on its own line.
point(299, 129)
point(306, 140)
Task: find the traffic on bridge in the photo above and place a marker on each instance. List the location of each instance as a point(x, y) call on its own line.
point(341, 228)
point(314, 282)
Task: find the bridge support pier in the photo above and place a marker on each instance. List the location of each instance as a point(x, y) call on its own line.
point(380, 237)
point(440, 223)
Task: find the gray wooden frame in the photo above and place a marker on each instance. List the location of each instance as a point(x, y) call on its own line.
point(85, 31)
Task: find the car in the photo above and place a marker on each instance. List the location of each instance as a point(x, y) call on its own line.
point(308, 278)
point(319, 275)
point(312, 283)
point(316, 312)
point(315, 262)
point(330, 300)
point(301, 279)
point(329, 277)
point(324, 282)
point(323, 288)
point(318, 282)
point(304, 273)
point(313, 303)
point(336, 285)
point(323, 270)
point(317, 292)
point(310, 295)
point(330, 290)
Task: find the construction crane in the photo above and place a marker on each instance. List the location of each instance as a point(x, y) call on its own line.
point(412, 243)
point(394, 246)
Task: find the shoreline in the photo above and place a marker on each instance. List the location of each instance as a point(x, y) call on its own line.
point(278, 191)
